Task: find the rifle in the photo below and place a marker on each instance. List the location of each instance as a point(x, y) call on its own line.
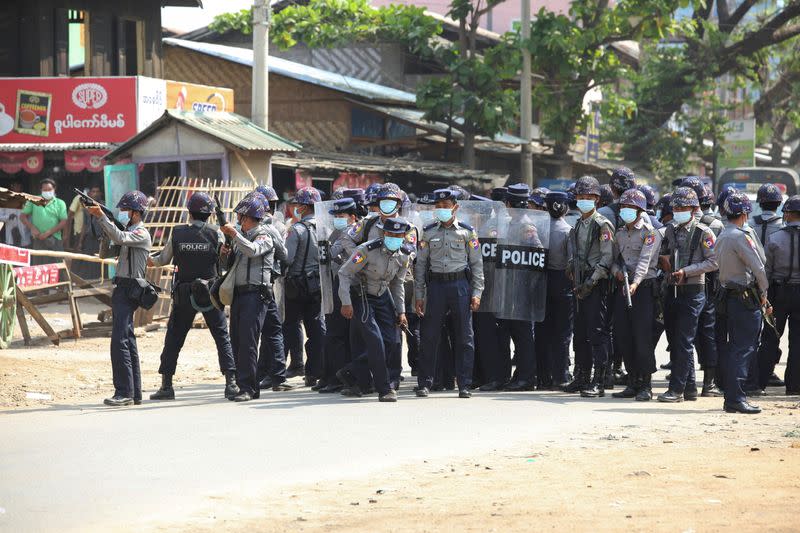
point(87, 201)
point(675, 266)
point(221, 218)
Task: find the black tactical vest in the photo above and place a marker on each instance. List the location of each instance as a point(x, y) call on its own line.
point(195, 252)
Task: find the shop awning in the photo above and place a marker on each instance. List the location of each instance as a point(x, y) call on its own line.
point(52, 147)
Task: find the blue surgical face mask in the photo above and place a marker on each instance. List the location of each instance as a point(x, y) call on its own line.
point(393, 243)
point(682, 217)
point(388, 207)
point(296, 213)
point(444, 213)
point(585, 206)
point(48, 195)
point(628, 214)
point(124, 217)
point(339, 223)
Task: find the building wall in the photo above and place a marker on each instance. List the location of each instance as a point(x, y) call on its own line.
point(257, 162)
point(305, 113)
point(34, 36)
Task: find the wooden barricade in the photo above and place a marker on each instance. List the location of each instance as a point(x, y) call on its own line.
point(51, 291)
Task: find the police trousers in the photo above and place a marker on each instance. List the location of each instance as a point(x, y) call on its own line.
point(309, 311)
point(488, 351)
point(124, 353)
point(553, 335)
point(633, 333)
point(592, 338)
point(443, 296)
point(684, 312)
point(744, 327)
point(706, 342)
point(180, 322)
point(247, 319)
point(521, 333)
point(337, 338)
point(372, 334)
point(271, 355)
point(785, 301)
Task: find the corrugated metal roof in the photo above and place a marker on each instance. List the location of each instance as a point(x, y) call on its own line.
point(297, 71)
point(229, 128)
point(52, 147)
point(415, 118)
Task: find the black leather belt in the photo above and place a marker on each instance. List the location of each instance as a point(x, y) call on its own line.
point(691, 289)
point(244, 289)
point(447, 276)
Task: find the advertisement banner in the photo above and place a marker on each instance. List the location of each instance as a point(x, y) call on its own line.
point(739, 145)
point(151, 101)
point(11, 255)
point(30, 162)
point(193, 97)
point(58, 110)
point(36, 276)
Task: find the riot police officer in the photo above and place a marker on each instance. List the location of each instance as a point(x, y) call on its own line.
point(337, 328)
point(744, 280)
point(254, 252)
point(272, 372)
point(134, 244)
point(555, 331)
point(637, 244)
point(592, 242)
point(687, 251)
point(303, 293)
point(448, 277)
point(769, 198)
point(373, 300)
point(194, 248)
point(783, 272)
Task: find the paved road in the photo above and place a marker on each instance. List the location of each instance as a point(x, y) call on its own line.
point(76, 468)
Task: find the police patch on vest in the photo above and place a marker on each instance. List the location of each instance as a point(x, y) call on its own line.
point(521, 257)
point(605, 236)
point(190, 247)
point(488, 249)
point(650, 239)
point(750, 242)
point(708, 242)
point(358, 258)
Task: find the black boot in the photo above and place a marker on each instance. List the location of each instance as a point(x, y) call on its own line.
point(596, 389)
point(579, 381)
point(709, 384)
point(645, 393)
point(231, 388)
point(166, 392)
point(608, 380)
point(630, 390)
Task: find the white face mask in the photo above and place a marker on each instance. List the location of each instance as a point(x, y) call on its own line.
point(48, 195)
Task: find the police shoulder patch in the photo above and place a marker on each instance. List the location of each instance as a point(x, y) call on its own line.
point(374, 244)
point(750, 241)
point(411, 237)
point(355, 229)
point(358, 258)
point(606, 235)
point(708, 241)
point(650, 239)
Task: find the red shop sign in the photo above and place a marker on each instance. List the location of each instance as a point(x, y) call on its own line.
point(36, 276)
point(50, 110)
point(13, 255)
point(13, 162)
point(80, 160)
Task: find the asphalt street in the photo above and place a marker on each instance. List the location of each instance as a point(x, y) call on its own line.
point(89, 467)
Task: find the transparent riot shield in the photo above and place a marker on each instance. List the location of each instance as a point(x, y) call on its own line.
point(489, 219)
point(326, 268)
point(520, 281)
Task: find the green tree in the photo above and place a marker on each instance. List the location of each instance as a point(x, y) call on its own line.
point(704, 49)
point(471, 95)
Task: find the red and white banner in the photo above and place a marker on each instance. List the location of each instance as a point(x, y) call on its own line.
point(13, 162)
point(80, 160)
point(64, 110)
point(11, 255)
point(36, 276)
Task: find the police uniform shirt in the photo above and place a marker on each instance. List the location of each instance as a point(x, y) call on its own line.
point(276, 230)
point(704, 259)
point(716, 226)
point(750, 230)
point(342, 246)
point(165, 256)
point(638, 248)
point(558, 253)
point(376, 269)
point(772, 222)
point(253, 257)
point(783, 254)
point(296, 240)
point(446, 249)
point(739, 261)
point(135, 244)
point(593, 254)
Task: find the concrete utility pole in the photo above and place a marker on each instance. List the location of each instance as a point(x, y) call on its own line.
point(526, 115)
point(260, 105)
